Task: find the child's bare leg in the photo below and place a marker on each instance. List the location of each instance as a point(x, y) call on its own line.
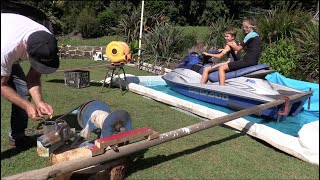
point(205, 74)
point(222, 73)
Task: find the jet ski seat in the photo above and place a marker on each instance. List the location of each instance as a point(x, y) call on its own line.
point(214, 76)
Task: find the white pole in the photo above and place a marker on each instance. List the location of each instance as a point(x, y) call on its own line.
point(140, 36)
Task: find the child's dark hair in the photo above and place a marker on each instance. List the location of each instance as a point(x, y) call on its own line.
point(231, 31)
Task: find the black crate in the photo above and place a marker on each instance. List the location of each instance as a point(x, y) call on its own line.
point(77, 79)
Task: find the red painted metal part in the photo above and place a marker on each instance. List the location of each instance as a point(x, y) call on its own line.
point(123, 137)
point(286, 106)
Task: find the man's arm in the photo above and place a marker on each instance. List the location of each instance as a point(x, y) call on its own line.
point(34, 86)
point(8, 93)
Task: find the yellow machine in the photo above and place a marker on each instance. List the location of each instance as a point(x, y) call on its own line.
point(118, 52)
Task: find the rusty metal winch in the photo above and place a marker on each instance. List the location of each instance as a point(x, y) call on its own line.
point(93, 116)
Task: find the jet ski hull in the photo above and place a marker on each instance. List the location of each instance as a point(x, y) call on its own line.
point(238, 93)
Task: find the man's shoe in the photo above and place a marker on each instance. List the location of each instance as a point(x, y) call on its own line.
point(23, 142)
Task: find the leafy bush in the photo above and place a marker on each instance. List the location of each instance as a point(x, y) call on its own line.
point(212, 10)
point(282, 22)
point(283, 56)
point(308, 43)
point(163, 44)
point(87, 24)
point(108, 19)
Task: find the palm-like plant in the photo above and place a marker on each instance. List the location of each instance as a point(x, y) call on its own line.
point(129, 26)
point(282, 22)
point(308, 42)
point(163, 43)
point(215, 36)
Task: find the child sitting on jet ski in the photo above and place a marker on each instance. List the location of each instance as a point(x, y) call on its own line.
point(230, 36)
point(252, 46)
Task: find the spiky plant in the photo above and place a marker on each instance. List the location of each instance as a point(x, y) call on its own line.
point(163, 44)
point(282, 22)
point(308, 43)
point(129, 25)
point(215, 38)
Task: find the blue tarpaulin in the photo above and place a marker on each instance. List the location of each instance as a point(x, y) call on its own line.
point(302, 86)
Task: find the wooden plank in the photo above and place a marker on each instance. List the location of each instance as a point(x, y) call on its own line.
point(123, 137)
point(72, 154)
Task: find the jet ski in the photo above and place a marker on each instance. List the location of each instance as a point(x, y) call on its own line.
point(238, 93)
point(197, 62)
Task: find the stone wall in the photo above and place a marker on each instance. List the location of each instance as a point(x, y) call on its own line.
point(80, 51)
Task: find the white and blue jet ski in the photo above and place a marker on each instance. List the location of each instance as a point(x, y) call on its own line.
point(238, 93)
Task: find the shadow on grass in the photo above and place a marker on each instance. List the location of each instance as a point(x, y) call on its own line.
point(96, 84)
point(141, 164)
point(14, 151)
point(62, 82)
point(246, 129)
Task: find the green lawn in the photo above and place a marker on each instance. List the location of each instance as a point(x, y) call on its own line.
point(199, 31)
point(216, 153)
point(102, 41)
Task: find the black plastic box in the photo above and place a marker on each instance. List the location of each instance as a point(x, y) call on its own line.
point(78, 79)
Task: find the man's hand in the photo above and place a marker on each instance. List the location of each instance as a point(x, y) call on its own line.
point(45, 109)
point(33, 112)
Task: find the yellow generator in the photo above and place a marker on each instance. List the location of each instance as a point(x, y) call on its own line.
point(118, 52)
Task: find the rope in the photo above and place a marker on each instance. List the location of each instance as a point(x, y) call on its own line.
point(97, 118)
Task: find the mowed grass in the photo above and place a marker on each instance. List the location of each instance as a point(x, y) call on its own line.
point(200, 32)
point(215, 153)
point(101, 41)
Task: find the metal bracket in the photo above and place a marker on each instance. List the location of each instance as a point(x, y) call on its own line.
point(286, 108)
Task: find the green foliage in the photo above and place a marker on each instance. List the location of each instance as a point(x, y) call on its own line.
point(129, 25)
point(283, 56)
point(134, 47)
point(201, 32)
point(282, 22)
point(87, 24)
point(307, 40)
point(107, 20)
point(213, 11)
point(164, 43)
point(215, 37)
point(101, 41)
point(69, 20)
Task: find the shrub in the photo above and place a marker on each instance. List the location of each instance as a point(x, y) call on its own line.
point(283, 56)
point(282, 22)
point(108, 19)
point(163, 44)
point(87, 24)
point(307, 40)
